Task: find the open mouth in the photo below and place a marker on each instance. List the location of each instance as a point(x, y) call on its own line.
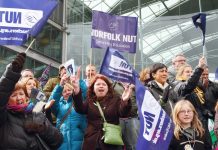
point(101, 90)
point(20, 102)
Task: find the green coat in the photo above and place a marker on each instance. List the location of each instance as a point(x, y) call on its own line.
point(50, 85)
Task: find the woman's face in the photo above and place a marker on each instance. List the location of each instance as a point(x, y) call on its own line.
point(161, 75)
point(100, 88)
point(67, 92)
point(186, 115)
point(187, 73)
point(147, 75)
point(29, 85)
point(17, 97)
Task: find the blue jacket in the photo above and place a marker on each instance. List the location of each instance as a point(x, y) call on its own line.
point(74, 125)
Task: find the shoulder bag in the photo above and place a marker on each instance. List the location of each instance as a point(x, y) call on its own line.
point(65, 116)
point(112, 133)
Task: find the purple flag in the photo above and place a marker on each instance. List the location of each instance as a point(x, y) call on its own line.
point(156, 127)
point(216, 74)
point(21, 18)
point(116, 67)
point(45, 76)
point(118, 32)
point(199, 20)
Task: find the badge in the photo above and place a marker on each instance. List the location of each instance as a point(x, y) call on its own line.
point(188, 147)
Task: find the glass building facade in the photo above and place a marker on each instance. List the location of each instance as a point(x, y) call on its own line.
point(165, 29)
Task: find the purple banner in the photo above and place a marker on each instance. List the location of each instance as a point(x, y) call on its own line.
point(156, 127)
point(21, 18)
point(116, 67)
point(118, 32)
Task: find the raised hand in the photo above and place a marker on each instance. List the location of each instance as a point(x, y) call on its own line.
point(202, 62)
point(18, 62)
point(127, 91)
point(63, 80)
point(49, 104)
point(75, 81)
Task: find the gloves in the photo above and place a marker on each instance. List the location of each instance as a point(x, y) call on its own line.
point(17, 63)
point(208, 114)
point(35, 123)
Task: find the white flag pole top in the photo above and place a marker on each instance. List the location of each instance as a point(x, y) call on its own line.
point(200, 6)
point(204, 46)
point(205, 53)
point(30, 45)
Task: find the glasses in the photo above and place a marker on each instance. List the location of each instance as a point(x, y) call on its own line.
point(183, 112)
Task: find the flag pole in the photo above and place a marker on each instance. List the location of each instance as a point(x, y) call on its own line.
point(90, 57)
point(204, 47)
point(200, 8)
point(90, 62)
point(30, 45)
point(140, 34)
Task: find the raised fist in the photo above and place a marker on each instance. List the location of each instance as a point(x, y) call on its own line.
point(17, 63)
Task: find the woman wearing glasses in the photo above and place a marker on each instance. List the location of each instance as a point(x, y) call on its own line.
point(189, 133)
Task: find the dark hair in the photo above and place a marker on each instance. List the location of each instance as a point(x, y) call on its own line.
point(155, 68)
point(91, 94)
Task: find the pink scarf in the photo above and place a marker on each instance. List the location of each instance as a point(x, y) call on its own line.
point(17, 108)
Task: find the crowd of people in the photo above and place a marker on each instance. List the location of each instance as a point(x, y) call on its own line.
point(71, 119)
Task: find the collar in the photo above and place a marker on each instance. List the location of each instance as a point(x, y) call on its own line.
point(162, 86)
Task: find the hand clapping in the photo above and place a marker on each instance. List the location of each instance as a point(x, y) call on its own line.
point(127, 91)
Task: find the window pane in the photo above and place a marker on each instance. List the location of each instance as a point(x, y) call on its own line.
point(49, 42)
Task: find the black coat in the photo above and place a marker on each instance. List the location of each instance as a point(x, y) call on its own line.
point(158, 93)
point(185, 90)
point(211, 96)
point(18, 131)
point(200, 143)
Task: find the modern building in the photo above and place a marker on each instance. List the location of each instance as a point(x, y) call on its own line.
point(165, 29)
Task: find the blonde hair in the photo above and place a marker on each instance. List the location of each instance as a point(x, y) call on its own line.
point(90, 66)
point(196, 123)
point(216, 107)
point(25, 80)
point(180, 72)
point(143, 74)
point(68, 85)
